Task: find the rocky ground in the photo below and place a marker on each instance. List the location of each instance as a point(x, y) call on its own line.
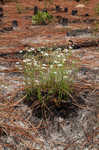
point(71, 127)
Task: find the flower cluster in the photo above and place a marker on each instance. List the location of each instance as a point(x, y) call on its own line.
point(48, 73)
point(47, 63)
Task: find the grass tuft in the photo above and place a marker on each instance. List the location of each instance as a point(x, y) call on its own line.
point(42, 18)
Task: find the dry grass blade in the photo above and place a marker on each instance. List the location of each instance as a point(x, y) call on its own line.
point(10, 70)
point(21, 131)
point(7, 106)
point(84, 84)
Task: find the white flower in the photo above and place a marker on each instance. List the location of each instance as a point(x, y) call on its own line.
point(20, 51)
point(44, 65)
point(61, 54)
point(26, 60)
point(17, 63)
point(69, 71)
point(35, 64)
point(37, 82)
point(32, 49)
point(59, 49)
point(55, 72)
point(64, 59)
point(45, 54)
point(70, 47)
point(2, 86)
point(59, 65)
point(29, 50)
point(42, 52)
point(29, 63)
point(51, 66)
point(21, 68)
point(65, 77)
point(56, 62)
point(6, 87)
point(66, 50)
point(58, 56)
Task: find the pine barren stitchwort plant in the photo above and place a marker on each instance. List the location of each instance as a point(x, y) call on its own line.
point(49, 76)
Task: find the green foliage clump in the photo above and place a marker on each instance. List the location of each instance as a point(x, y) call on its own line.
point(41, 18)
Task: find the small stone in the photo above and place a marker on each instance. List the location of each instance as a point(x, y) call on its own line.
point(77, 0)
point(1, 12)
point(74, 12)
point(64, 21)
point(86, 15)
point(66, 10)
point(58, 8)
point(14, 23)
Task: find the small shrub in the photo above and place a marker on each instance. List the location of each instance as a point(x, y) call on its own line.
point(49, 76)
point(41, 18)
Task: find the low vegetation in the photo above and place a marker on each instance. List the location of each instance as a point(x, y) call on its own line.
point(49, 76)
point(41, 18)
